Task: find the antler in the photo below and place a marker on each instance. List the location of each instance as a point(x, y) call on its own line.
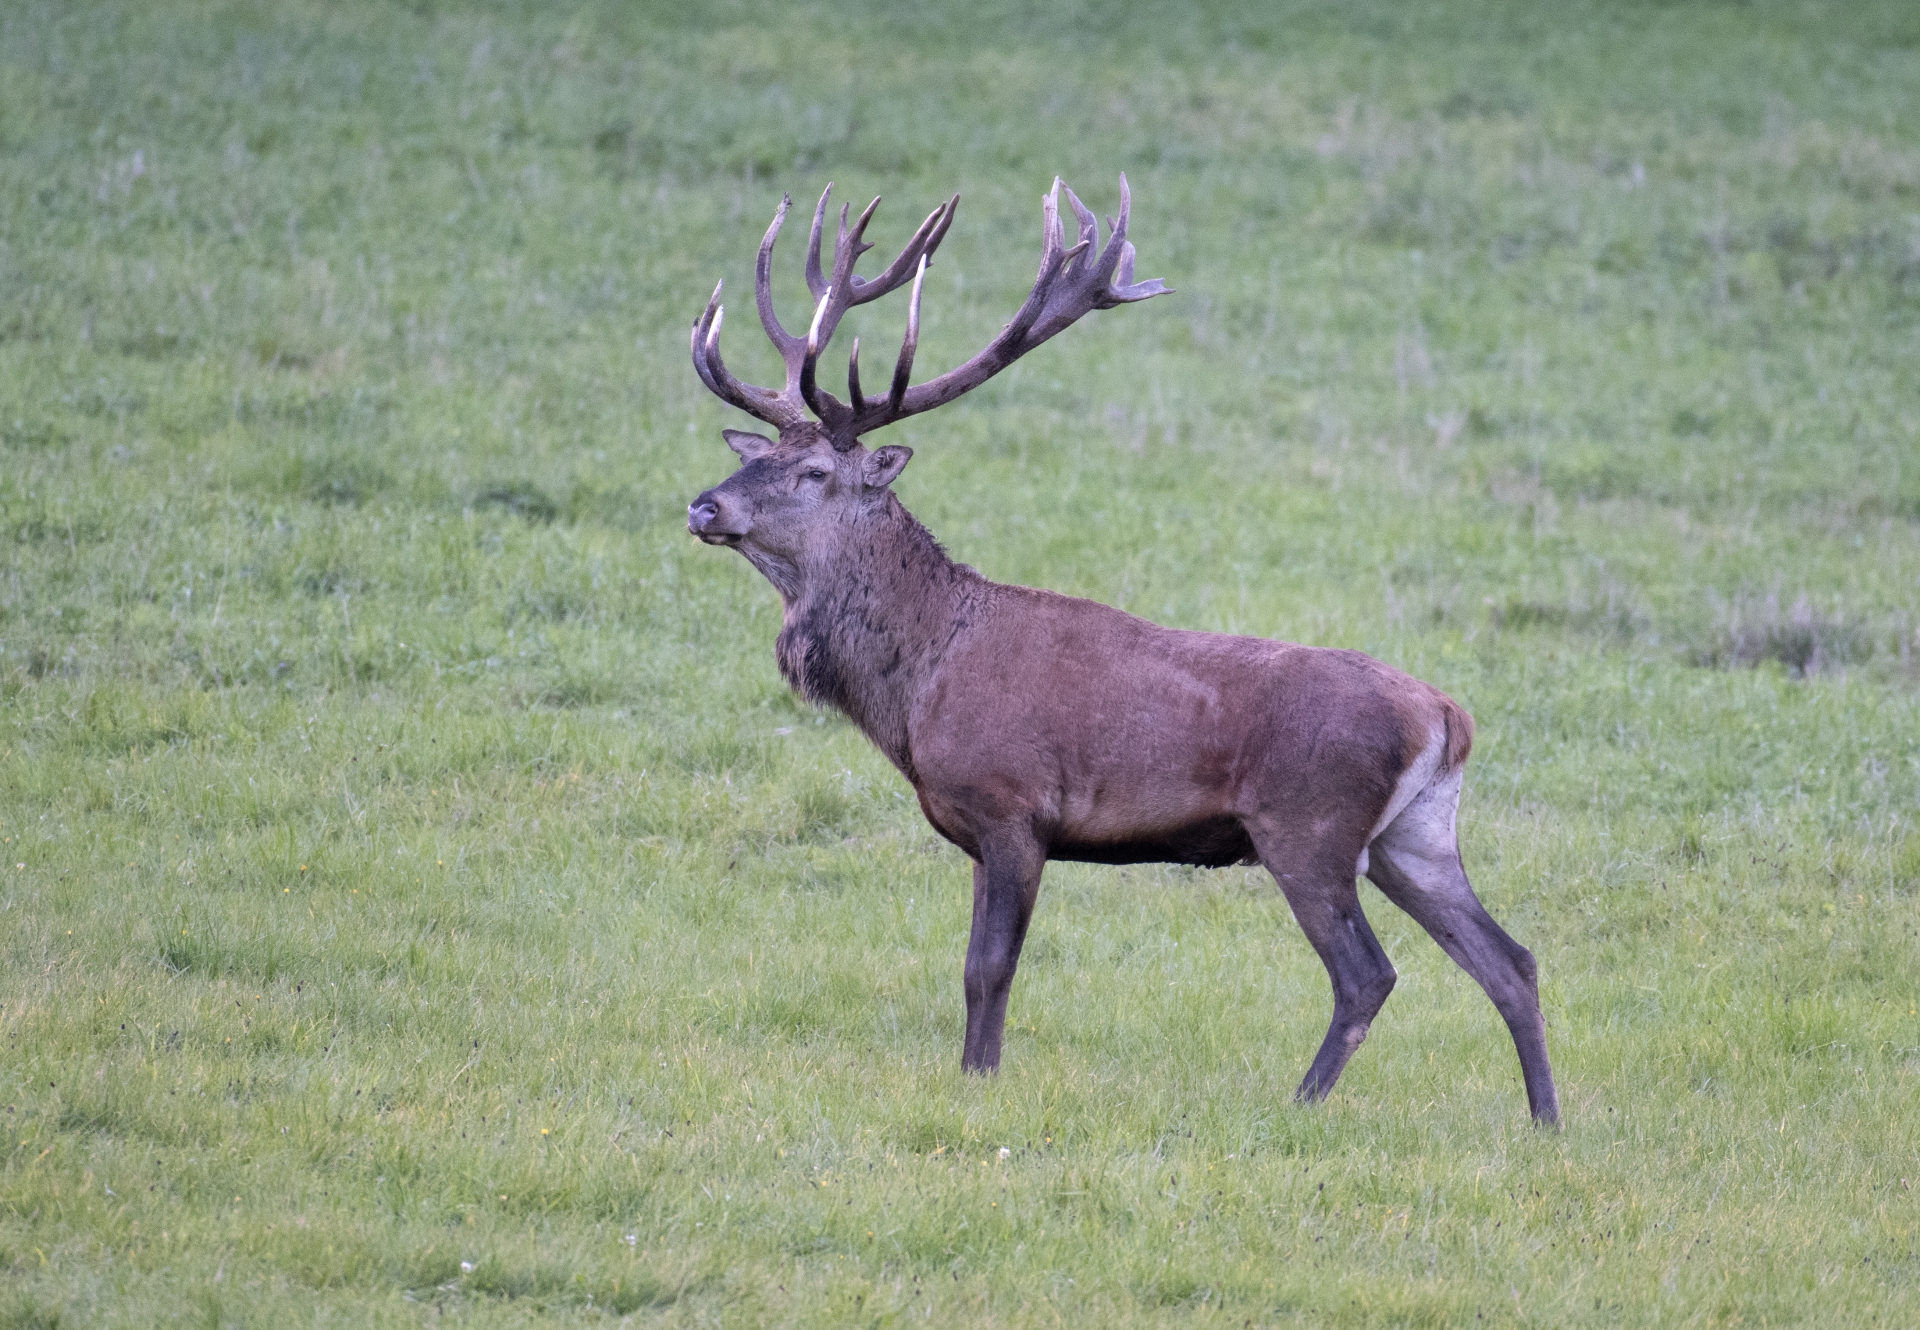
point(1071, 283)
point(789, 406)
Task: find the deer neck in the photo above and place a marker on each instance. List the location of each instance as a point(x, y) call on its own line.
point(868, 618)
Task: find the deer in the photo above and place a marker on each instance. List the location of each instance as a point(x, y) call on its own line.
point(1034, 726)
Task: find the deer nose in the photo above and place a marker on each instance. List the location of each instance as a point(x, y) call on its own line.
point(700, 514)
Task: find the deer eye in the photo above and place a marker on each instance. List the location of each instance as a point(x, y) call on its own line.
point(814, 474)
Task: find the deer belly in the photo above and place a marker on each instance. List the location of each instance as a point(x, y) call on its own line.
point(1211, 842)
point(1131, 801)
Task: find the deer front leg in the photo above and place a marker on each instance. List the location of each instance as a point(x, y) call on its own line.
point(1006, 882)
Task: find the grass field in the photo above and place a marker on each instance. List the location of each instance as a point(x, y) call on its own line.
point(422, 901)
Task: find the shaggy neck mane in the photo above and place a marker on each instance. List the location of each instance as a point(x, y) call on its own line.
point(868, 617)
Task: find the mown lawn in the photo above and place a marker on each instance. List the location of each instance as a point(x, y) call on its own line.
point(422, 900)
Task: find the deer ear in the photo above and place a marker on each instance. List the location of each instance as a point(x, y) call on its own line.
point(883, 464)
point(749, 446)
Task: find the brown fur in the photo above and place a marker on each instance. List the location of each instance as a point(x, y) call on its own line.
point(1035, 726)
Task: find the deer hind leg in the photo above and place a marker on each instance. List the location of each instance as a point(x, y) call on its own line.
point(1006, 883)
point(1415, 862)
point(1321, 890)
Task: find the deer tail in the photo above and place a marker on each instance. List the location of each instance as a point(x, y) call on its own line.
point(1459, 732)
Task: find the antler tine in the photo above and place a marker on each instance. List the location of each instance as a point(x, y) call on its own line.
point(763, 283)
point(700, 327)
point(1089, 224)
point(817, 401)
point(859, 244)
point(816, 280)
point(813, 329)
point(924, 242)
point(840, 240)
point(1055, 238)
point(1116, 234)
point(846, 253)
point(940, 231)
point(757, 402)
point(854, 395)
point(753, 400)
point(903, 368)
point(1116, 286)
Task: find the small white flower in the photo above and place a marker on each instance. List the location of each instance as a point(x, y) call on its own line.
point(1005, 1153)
point(466, 1267)
point(633, 1239)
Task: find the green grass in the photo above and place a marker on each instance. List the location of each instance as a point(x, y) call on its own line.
point(413, 861)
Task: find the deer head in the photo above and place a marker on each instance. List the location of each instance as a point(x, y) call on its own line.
point(793, 490)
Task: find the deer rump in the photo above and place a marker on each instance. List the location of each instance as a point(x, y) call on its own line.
point(1035, 726)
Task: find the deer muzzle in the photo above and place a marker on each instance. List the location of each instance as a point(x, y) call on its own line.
point(707, 519)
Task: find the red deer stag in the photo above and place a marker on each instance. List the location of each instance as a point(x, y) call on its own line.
point(1035, 726)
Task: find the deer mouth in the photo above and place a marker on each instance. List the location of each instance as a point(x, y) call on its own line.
point(703, 518)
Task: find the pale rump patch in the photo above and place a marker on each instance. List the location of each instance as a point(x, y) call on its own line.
point(1423, 841)
point(1413, 781)
point(1418, 825)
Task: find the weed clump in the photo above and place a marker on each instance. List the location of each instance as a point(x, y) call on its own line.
point(1803, 640)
